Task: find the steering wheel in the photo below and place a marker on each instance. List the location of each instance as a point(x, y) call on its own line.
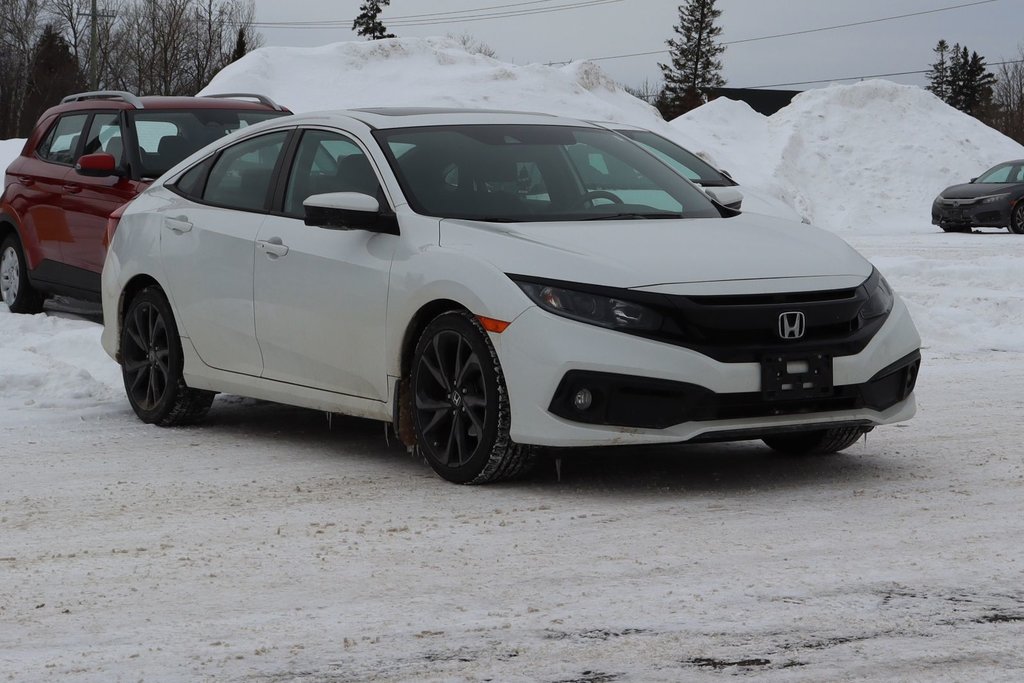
point(599, 194)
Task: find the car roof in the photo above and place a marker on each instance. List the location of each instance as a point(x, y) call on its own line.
point(412, 117)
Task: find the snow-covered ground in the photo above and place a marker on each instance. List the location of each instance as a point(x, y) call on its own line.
point(271, 544)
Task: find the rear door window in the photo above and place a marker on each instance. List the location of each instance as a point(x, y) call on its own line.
point(242, 175)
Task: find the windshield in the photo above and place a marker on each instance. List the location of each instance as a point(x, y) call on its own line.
point(167, 137)
point(681, 159)
point(1012, 172)
point(516, 173)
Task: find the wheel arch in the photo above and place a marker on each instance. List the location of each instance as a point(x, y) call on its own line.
point(128, 292)
point(402, 408)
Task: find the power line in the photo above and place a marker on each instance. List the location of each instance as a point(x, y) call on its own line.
point(464, 16)
point(806, 31)
point(456, 12)
point(858, 78)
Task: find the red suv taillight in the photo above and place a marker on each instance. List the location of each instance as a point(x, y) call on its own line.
point(112, 220)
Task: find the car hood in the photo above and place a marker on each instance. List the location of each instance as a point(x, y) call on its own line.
point(646, 253)
point(972, 190)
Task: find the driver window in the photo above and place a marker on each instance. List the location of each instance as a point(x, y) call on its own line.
point(327, 162)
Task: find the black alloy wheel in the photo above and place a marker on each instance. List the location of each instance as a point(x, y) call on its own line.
point(460, 406)
point(152, 363)
point(1017, 218)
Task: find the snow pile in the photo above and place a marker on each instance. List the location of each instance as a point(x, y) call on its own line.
point(853, 157)
point(8, 150)
point(53, 362)
point(426, 72)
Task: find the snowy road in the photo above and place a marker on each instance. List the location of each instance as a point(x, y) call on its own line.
point(270, 546)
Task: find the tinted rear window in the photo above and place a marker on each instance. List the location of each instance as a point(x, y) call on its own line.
point(167, 137)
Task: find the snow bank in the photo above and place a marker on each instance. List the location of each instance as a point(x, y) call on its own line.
point(870, 156)
point(54, 362)
point(8, 150)
point(430, 72)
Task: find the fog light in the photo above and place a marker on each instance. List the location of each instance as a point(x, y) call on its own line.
point(583, 399)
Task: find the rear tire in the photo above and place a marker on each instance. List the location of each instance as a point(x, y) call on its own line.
point(15, 289)
point(819, 442)
point(1017, 218)
point(460, 406)
point(152, 364)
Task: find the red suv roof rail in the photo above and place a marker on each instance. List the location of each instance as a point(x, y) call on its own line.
point(262, 99)
point(128, 97)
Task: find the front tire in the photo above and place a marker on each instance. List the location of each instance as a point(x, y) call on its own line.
point(819, 442)
point(152, 364)
point(1017, 218)
point(461, 413)
point(15, 289)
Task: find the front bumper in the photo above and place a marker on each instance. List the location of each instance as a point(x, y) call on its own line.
point(967, 213)
point(542, 353)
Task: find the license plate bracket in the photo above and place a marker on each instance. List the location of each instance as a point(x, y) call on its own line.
point(787, 377)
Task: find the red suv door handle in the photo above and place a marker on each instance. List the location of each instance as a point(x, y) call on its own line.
point(25, 180)
point(72, 189)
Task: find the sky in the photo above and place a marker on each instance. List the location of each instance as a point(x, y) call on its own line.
point(606, 28)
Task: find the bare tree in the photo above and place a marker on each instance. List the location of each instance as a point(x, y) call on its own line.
point(473, 46)
point(20, 28)
point(1008, 94)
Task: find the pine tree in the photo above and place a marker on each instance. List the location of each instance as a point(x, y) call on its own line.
point(970, 82)
point(368, 22)
point(241, 48)
point(938, 77)
point(53, 73)
point(695, 67)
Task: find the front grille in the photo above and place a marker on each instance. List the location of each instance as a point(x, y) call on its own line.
point(745, 328)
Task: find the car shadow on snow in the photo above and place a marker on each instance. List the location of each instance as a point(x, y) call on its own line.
point(683, 468)
point(731, 468)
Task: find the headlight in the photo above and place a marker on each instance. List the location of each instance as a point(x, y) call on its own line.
point(992, 199)
point(605, 311)
point(880, 301)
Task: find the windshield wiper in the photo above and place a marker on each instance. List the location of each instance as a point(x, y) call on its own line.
point(631, 216)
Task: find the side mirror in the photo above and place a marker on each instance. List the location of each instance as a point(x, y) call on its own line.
point(99, 165)
point(349, 211)
point(729, 197)
point(974, 180)
point(725, 173)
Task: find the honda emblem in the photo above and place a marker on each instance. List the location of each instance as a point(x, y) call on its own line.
point(792, 325)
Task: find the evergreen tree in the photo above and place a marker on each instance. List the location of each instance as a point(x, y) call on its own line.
point(53, 73)
point(938, 77)
point(695, 67)
point(241, 48)
point(970, 82)
point(368, 22)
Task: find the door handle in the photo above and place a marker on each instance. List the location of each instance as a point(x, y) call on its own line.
point(72, 189)
point(178, 225)
point(25, 180)
point(273, 247)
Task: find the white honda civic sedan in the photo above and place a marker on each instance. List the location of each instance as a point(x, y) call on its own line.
point(490, 282)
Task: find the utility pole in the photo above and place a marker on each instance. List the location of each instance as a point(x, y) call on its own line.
point(94, 17)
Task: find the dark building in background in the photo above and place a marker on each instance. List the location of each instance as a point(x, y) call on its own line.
point(765, 102)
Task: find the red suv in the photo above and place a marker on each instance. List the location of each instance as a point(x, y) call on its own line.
point(86, 158)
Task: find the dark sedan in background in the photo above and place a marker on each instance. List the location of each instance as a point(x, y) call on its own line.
point(993, 200)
